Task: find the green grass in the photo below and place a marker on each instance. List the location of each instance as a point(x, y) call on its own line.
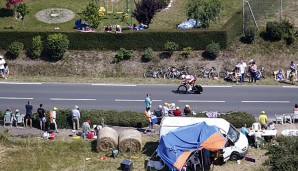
point(31, 153)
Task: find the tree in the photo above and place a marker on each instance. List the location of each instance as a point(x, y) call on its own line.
point(146, 9)
point(90, 15)
point(203, 10)
point(57, 45)
point(23, 10)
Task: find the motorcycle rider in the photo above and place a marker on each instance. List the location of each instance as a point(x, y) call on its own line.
point(190, 80)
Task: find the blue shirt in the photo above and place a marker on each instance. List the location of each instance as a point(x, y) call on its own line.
point(148, 102)
point(244, 131)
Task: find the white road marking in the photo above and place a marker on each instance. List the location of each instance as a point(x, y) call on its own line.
point(130, 100)
point(200, 101)
point(217, 86)
point(290, 86)
point(20, 83)
point(16, 98)
point(72, 99)
point(265, 101)
point(116, 85)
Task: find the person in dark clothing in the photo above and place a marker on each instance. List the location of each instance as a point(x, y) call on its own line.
point(28, 116)
point(42, 117)
point(187, 110)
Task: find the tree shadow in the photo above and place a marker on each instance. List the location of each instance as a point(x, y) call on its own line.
point(245, 40)
point(4, 12)
point(165, 55)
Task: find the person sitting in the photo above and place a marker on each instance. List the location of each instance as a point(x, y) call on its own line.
point(271, 126)
point(177, 112)
point(187, 110)
point(134, 27)
point(158, 112)
point(86, 128)
point(280, 76)
point(118, 29)
point(244, 130)
point(165, 109)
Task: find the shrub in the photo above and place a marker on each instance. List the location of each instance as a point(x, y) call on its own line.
point(212, 51)
point(283, 156)
point(274, 31)
point(57, 45)
point(171, 47)
point(250, 34)
point(36, 47)
point(186, 52)
point(15, 48)
point(122, 54)
point(148, 55)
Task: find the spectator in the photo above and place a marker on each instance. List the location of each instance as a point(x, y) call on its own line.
point(242, 65)
point(271, 126)
point(148, 102)
point(2, 67)
point(118, 29)
point(165, 109)
point(42, 117)
point(150, 124)
point(8, 112)
point(158, 112)
point(295, 109)
point(187, 110)
point(29, 109)
point(53, 119)
point(253, 70)
point(6, 70)
point(293, 67)
point(177, 112)
point(75, 113)
point(15, 115)
point(249, 70)
point(280, 76)
point(244, 130)
point(263, 120)
point(86, 128)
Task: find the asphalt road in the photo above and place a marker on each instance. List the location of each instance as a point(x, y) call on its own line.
point(252, 99)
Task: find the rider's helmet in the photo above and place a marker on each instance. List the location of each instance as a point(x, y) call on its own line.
point(183, 76)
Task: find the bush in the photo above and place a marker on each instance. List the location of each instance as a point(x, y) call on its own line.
point(36, 47)
point(186, 52)
point(212, 51)
point(15, 49)
point(171, 47)
point(274, 31)
point(122, 54)
point(148, 55)
point(57, 45)
point(250, 34)
point(283, 156)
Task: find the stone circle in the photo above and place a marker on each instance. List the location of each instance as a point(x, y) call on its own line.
point(55, 15)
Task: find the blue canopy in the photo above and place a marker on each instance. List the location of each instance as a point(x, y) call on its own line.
point(189, 24)
point(175, 147)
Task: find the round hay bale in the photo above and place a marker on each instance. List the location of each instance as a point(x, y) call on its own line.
point(107, 139)
point(130, 140)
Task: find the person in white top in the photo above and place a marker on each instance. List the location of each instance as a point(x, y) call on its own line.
point(2, 68)
point(54, 115)
point(241, 65)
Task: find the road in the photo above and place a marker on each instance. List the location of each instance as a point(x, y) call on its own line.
point(250, 98)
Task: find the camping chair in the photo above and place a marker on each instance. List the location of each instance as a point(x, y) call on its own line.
point(279, 118)
point(20, 120)
point(294, 117)
point(7, 120)
point(288, 116)
point(256, 126)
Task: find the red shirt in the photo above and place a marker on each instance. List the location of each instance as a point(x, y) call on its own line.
point(177, 112)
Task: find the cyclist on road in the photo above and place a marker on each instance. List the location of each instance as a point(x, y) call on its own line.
point(190, 80)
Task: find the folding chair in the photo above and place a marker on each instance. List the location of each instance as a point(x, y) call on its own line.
point(288, 116)
point(279, 118)
point(256, 126)
point(7, 120)
point(294, 117)
point(20, 120)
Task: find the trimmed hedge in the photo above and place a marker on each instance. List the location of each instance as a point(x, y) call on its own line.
point(233, 27)
point(198, 39)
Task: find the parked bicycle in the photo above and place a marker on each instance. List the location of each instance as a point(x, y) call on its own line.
point(203, 73)
point(154, 73)
point(227, 75)
point(174, 72)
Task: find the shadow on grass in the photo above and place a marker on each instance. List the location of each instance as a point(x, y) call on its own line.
point(4, 12)
point(149, 148)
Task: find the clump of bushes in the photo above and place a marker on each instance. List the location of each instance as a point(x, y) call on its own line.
point(250, 34)
point(122, 54)
point(212, 51)
point(57, 45)
point(15, 49)
point(283, 155)
point(171, 47)
point(36, 47)
point(276, 31)
point(186, 52)
point(148, 55)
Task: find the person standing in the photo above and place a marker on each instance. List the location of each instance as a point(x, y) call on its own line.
point(42, 117)
point(295, 109)
point(148, 101)
point(254, 70)
point(28, 116)
point(293, 67)
point(2, 67)
point(75, 113)
point(150, 123)
point(263, 120)
point(53, 118)
point(242, 65)
point(249, 70)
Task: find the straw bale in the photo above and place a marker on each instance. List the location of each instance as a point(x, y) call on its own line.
point(130, 139)
point(107, 139)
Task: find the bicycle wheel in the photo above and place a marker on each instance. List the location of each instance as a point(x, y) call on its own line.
point(170, 75)
point(212, 75)
point(182, 89)
point(147, 74)
point(200, 74)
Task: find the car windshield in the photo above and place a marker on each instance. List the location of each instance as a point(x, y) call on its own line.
point(233, 134)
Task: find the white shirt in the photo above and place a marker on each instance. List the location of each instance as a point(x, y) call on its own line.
point(54, 114)
point(2, 62)
point(241, 67)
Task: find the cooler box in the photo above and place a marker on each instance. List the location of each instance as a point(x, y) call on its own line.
point(126, 165)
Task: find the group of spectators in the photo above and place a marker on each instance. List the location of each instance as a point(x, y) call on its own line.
point(240, 71)
point(4, 70)
point(280, 76)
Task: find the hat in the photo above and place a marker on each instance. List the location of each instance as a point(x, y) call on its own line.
point(187, 105)
point(88, 121)
point(76, 106)
point(177, 107)
point(54, 108)
point(17, 110)
point(263, 112)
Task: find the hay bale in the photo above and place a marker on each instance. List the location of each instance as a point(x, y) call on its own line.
point(107, 139)
point(130, 140)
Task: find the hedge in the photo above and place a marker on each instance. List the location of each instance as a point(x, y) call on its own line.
point(198, 39)
point(233, 27)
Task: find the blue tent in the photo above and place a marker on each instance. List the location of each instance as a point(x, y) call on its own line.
point(175, 147)
point(189, 24)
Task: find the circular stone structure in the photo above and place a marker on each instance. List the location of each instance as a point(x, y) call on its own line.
point(55, 15)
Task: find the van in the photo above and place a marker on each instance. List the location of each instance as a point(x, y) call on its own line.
point(237, 144)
